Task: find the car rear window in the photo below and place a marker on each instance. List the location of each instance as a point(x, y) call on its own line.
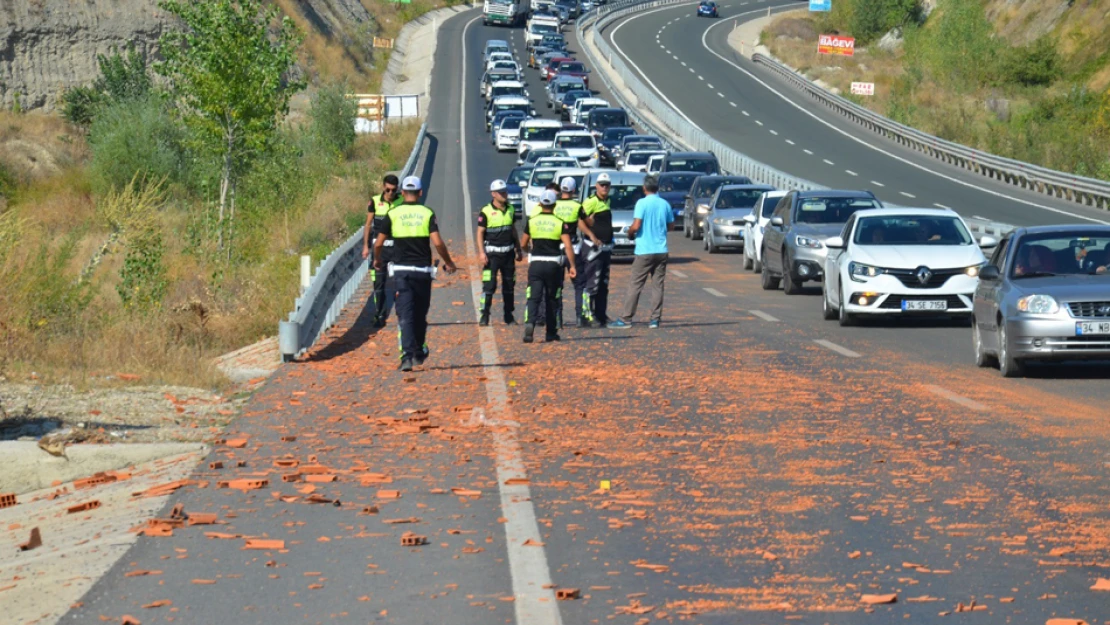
point(572, 67)
point(738, 198)
point(604, 119)
point(520, 175)
point(676, 182)
point(574, 142)
point(818, 210)
point(539, 134)
point(541, 178)
point(707, 165)
point(623, 197)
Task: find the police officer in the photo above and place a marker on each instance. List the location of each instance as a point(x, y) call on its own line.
point(550, 239)
point(591, 287)
point(569, 210)
point(413, 229)
point(379, 207)
point(498, 251)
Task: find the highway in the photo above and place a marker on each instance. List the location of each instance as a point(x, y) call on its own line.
point(689, 62)
point(746, 463)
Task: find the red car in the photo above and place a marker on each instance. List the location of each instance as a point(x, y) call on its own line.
point(570, 67)
point(552, 66)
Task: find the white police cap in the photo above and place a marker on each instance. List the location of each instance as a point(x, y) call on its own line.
point(547, 198)
point(411, 183)
point(498, 185)
point(567, 184)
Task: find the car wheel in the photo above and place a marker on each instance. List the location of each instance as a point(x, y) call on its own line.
point(747, 261)
point(827, 311)
point(1008, 366)
point(710, 246)
point(789, 286)
point(696, 233)
point(842, 315)
point(767, 281)
point(982, 359)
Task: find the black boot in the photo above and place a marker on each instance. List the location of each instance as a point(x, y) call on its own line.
point(406, 364)
point(484, 319)
point(529, 331)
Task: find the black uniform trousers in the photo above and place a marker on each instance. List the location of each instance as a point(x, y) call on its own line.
point(414, 297)
point(503, 263)
point(591, 286)
point(383, 295)
point(545, 284)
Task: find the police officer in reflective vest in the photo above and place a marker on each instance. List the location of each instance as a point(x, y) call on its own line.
point(569, 210)
point(379, 207)
point(550, 239)
point(414, 231)
point(591, 287)
point(498, 251)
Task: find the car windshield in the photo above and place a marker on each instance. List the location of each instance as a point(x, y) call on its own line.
point(563, 87)
point(738, 198)
point(706, 165)
point(640, 158)
point(544, 28)
point(556, 162)
point(574, 142)
point(912, 230)
point(499, 76)
point(511, 107)
point(539, 134)
point(541, 177)
point(574, 67)
point(604, 119)
point(553, 41)
point(1061, 253)
point(676, 182)
point(769, 204)
point(499, 91)
point(623, 197)
point(571, 97)
point(613, 134)
point(512, 123)
point(520, 175)
point(831, 210)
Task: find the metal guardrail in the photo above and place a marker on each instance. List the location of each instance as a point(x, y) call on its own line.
point(1058, 184)
point(332, 287)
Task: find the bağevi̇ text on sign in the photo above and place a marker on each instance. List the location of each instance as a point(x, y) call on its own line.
point(835, 44)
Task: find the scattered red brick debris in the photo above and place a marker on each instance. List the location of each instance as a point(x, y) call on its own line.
point(1101, 584)
point(399, 521)
point(161, 603)
point(288, 439)
point(260, 543)
point(33, 542)
point(567, 594)
point(128, 619)
point(247, 484)
point(141, 573)
point(291, 477)
point(204, 582)
point(369, 510)
point(389, 494)
point(7, 500)
point(408, 539)
point(215, 466)
point(878, 599)
point(163, 489)
point(466, 492)
point(321, 477)
point(96, 479)
point(1065, 621)
point(83, 507)
point(203, 518)
point(236, 443)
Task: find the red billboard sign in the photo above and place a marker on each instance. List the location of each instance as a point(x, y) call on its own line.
point(835, 44)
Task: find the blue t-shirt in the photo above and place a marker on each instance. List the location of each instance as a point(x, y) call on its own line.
point(655, 214)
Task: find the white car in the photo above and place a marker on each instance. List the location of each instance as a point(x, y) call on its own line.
point(541, 177)
point(637, 160)
point(498, 56)
point(581, 144)
point(911, 261)
point(754, 223)
point(506, 87)
point(508, 134)
point(654, 164)
point(560, 162)
point(582, 107)
point(537, 134)
point(540, 26)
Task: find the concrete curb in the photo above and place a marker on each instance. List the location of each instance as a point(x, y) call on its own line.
point(28, 468)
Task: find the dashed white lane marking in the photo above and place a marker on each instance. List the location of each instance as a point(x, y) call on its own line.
point(810, 152)
point(775, 132)
point(828, 162)
point(732, 104)
point(843, 351)
point(746, 114)
point(764, 316)
point(791, 142)
point(679, 273)
point(850, 172)
point(942, 206)
point(759, 122)
point(691, 69)
point(675, 57)
point(531, 576)
point(700, 77)
point(909, 195)
point(683, 62)
point(720, 94)
point(709, 84)
point(714, 292)
point(956, 399)
point(877, 183)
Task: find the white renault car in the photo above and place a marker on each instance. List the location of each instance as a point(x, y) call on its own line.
point(912, 261)
point(537, 134)
point(754, 223)
point(580, 144)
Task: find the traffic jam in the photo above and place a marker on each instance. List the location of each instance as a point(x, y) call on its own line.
point(1033, 295)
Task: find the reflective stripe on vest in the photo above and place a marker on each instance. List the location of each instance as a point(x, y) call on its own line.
point(497, 219)
point(546, 227)
point(411, 221)
point(594, 205)
point(382, 208)
point(568, 210)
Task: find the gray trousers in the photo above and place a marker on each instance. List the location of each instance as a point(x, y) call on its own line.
point(646, 266)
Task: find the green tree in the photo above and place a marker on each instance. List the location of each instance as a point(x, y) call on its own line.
point(121, 78)
point(333, 117)
point(232, 83)
point(963, 50)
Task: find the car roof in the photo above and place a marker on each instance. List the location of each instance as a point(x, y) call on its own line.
point(618, 177)
point(573, 171)
point(560, 58)
point(835, 193)
point(617, 128)
point(566, 78)
point(574, 133)
point(1062, 228)
point(511, 99)
point(508, 83)
point(647, 151)
point(693, 154)
point(544, 123)
point(496, 42)
point(745, 187)
point(907, 212)
point(589, 100)
point(613, 108)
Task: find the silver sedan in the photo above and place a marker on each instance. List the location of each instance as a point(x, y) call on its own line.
point(1045, 295)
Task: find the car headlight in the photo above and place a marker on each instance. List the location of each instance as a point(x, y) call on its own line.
point(1038, 304)
point(973, 271)
point(807, 242)
point(514, 196)
point(594, 155)
point(720, 221)
point(703, 209)
point(859, 270)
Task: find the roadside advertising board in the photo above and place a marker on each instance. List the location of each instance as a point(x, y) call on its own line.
point(863, 88)
point(820, 5)
point(836, 44)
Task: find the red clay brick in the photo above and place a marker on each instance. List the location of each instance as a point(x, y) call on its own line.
point(215, 466)
point(248, 484)
point(130, 620)
point(291, 477)
point(236, 443)
point(7, 500)
point(321, 478)
point(203, 518)
point(260, 543)
point(286, 463)
point(288, 439)
point(83, 507)
point(566, 594)
point(389, 494)
point(408, 539)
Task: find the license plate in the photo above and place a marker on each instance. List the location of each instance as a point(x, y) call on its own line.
point(1087, 328)
point(924, 305)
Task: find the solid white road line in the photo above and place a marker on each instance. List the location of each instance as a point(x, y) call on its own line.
point(714, 292)
point(843, 351)
point(764, 316)
point(834, 127)
point(535, 602)
point(679, 273)
point(957, 399)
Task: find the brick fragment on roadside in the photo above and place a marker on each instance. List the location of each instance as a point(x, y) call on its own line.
point(83, 507)
point(236, 443)
point(215, 466)
point(567, 594)
point(33, 542)
point(288, 439)
point(202, 518)
point(389, 494)
point(264, 544)
point(96, 479)
point(8, 500)
point(878, 599)
point(409, 539)
point(161, 603)
point(127, 619)
point(291, 477)
point(247, 484)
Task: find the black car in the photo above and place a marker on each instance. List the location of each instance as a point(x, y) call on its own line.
point(568, 100)
point(703, 162)
point(604, 118)
point(674, 187)
point(609, 141)
point(623, 146)
point(697, 202)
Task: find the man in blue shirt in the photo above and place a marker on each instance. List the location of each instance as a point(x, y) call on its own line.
point(651, 221)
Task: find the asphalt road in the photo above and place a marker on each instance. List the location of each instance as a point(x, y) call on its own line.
point(763, 466)
point(689, 62)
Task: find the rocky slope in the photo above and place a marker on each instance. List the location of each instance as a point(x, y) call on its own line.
point(47, 46)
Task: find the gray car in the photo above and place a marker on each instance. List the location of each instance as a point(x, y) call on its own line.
point(725, 221)
point(558, 87)
point(794, 241)
point(698, 200)
point(626, 189)
point(1044, 295)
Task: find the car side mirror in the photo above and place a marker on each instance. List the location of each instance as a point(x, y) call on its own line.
point(749, 219)
point(776, 222)
point(835, 243)
point(988, 242)
point(989, 273)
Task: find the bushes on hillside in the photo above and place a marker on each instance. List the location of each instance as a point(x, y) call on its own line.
point(333, 118)
point(122, 78)
point(867, 20)
point(136, 137)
